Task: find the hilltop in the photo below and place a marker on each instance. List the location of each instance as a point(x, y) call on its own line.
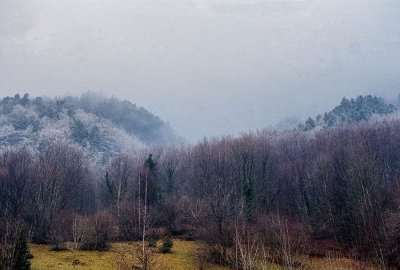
point(101, 126)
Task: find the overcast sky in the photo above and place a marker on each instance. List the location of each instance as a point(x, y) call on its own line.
point(208, 67)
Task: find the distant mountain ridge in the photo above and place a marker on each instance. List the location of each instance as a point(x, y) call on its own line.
point(350, 111)
point(101, 126)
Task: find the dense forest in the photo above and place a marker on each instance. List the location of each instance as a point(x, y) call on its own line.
point(265, 195)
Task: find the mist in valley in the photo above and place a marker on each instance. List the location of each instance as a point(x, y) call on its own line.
point(199, 134)
point(207, 67)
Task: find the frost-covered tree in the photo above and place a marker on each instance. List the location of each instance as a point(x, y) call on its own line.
point(102, 127)
point(350, 111)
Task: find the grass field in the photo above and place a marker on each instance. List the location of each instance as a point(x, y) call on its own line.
point(182, 258)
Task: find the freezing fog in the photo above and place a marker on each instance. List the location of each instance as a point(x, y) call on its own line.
point(206, 67)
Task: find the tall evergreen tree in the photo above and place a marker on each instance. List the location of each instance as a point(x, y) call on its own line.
point(151, 173)
point(22, 256)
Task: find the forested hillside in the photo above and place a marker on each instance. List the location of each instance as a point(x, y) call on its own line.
point(101, 126)
point(350, 111)
point(264, 197)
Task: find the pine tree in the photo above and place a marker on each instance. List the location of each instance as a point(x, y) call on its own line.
point(170, 170)
point(167, 245)
point(21, 256)
point(151, 173)
point(150, 164)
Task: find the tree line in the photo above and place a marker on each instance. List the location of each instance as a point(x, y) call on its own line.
point(265, 195)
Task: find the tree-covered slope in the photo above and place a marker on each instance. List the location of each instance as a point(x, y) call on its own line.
point(350, 111)
point(102, 126)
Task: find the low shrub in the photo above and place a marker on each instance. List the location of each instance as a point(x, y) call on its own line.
point(167, 245)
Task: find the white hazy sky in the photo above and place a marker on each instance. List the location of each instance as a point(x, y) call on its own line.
point(208, 67)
